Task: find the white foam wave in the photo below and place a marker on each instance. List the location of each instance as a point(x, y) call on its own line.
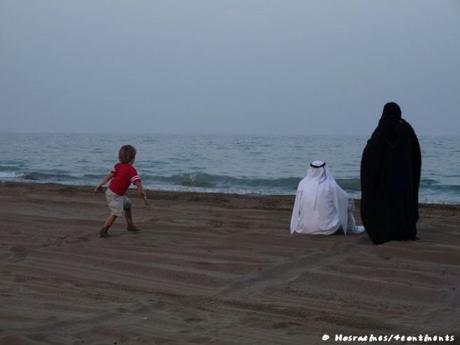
point(7, 174)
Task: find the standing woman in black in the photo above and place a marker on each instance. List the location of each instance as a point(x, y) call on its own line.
point(390, 179)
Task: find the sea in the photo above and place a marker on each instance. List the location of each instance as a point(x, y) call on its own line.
point(241, 164)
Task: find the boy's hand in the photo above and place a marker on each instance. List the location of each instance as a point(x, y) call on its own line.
point(98, 189)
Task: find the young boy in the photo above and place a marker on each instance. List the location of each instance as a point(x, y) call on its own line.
point(120, 177)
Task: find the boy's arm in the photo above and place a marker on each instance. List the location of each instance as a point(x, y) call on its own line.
point(141, 191)
point(106, 179)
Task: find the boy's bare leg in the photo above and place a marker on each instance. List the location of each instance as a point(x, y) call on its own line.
point(129, 220)
point(108, 223)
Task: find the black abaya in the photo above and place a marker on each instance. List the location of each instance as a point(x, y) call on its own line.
point(390, 178)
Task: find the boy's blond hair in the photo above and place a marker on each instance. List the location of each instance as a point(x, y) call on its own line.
point(127, 154)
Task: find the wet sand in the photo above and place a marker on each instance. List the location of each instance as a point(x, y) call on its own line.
point(212, 269)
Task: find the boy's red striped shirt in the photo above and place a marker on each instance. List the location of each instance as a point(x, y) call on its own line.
point(123, 175)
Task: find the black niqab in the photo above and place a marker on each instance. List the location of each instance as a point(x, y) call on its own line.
point(390, 179)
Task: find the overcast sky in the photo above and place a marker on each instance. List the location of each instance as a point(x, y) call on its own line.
point(228, 66)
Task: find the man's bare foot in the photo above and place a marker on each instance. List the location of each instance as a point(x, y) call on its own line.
point(104, 232)
point(133, 228)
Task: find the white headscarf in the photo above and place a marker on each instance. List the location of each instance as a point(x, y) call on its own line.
point(321, 206)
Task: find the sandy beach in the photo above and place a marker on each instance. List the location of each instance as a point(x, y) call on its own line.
point(212, 269)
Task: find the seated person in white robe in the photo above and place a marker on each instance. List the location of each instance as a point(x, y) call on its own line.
point(321, 207)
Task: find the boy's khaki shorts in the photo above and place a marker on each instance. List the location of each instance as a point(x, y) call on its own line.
point(117, 203)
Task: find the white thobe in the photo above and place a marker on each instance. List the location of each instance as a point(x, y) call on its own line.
point(321, 207)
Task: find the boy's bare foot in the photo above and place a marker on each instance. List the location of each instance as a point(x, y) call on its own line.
point(104, 232)
point(133, 228)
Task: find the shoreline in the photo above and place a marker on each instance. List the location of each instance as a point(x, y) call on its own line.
point(285, 200)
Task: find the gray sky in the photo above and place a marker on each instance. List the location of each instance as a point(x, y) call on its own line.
point(228, 66)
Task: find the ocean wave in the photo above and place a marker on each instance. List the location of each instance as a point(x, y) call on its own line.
point(12, 165)
point(91, 177)
point(205, 180)
point(426, 182)
point(8, 174)
point(202, 181)
point(443, 188)
point(8, 168)
point(49, 177)
point(350, 184)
